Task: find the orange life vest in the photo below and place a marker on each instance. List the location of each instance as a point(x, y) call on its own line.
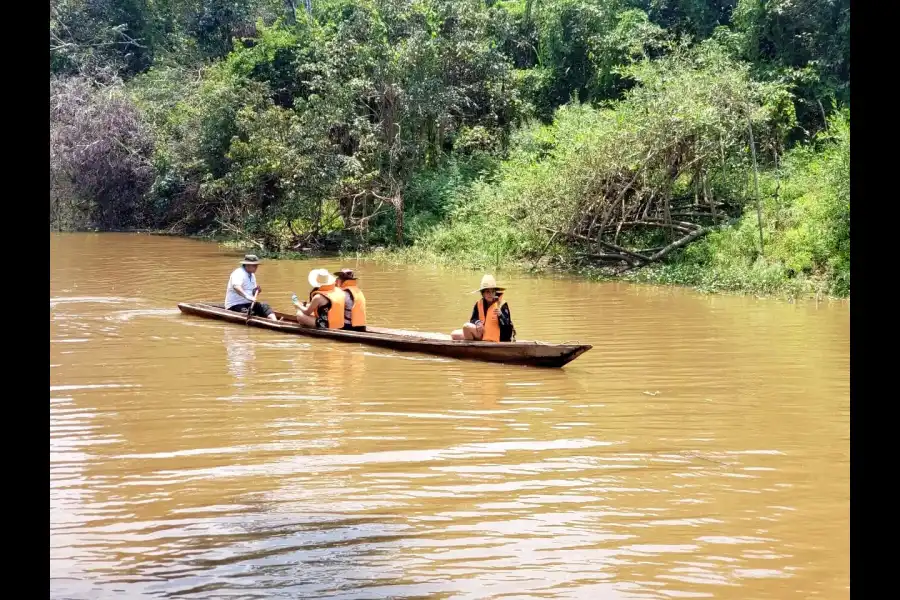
point(336, 310)
point(490, 320)
point(358, 312)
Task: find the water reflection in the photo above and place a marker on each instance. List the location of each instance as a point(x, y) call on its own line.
point(241, 354)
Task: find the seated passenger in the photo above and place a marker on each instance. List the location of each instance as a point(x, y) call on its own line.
point(325, 309)
point(354, 300)
point(490, 320)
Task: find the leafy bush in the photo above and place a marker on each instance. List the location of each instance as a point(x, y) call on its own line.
point(806, 219)
point(683, 127)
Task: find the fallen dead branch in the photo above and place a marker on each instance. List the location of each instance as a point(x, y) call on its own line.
point(236, 231)
point(633, 258)
point(679, 243)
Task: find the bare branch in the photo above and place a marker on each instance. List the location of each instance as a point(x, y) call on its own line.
point(679, 243)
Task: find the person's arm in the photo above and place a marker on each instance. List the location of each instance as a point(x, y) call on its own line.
point(474, 318)
point(504, 317)
point(506, 325)
point(312, 308)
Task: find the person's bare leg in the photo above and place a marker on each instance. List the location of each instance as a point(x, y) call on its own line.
point(306, 320)
point(468, 333)
point(260, 311)
point(472, 332)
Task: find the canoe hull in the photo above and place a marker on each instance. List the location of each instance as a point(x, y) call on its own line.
point(537, 354)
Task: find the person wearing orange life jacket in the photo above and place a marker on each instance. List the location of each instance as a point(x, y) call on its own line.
point(325, 309)
point(354, 300)
point(491, 320)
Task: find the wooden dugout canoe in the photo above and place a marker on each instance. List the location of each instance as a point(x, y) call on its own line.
point(537, 354)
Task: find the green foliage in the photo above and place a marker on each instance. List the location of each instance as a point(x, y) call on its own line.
point(701, 95)
point(695, 18)
point(804, 41)
point(691, 108)
point(433, 194)
point(577, 47)
point(132, 35)
point(806, 221)
point(87, 35)
point(483, 132)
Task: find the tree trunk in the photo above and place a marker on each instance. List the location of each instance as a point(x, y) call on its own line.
point(398, 207)
point(292, 10)
point(756, 187)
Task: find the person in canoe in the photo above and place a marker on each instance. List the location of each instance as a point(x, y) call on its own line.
point(354, 300)
point(242, 290)
point(490, 320)
point(325, 309)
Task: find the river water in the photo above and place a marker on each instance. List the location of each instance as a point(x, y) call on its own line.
point(700, 450)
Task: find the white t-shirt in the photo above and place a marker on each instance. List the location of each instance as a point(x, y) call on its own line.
point(246, 281)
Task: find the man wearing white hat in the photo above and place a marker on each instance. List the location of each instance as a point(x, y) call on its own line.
point(490, 321)
point(242, 291)
point(325, 309)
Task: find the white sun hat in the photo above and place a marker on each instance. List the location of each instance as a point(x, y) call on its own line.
point(320, 277)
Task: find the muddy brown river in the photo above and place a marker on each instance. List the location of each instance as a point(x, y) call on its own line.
point(699, 450)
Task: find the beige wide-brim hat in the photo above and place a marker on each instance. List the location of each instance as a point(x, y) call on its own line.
point(250, 259)
point(320, 277)
point(489, 283)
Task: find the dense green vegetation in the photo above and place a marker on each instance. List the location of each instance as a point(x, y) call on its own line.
point(685, 141)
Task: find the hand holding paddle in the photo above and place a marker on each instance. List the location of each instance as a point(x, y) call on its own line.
point(250, 310)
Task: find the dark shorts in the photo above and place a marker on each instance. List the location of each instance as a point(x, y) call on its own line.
point(260, 309)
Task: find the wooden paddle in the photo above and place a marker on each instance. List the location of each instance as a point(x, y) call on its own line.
point(250, 310)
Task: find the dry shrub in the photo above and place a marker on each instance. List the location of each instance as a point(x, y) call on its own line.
point(100, 156)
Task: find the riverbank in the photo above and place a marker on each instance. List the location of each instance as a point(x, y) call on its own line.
point(760, 280)
point(793, 242)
